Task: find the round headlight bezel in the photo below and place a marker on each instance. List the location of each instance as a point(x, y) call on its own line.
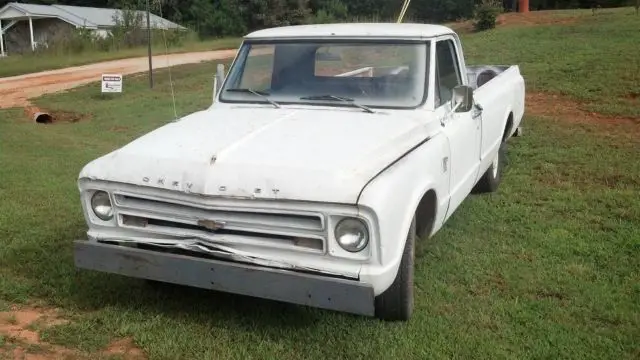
point(342, 229)
point(101, 200)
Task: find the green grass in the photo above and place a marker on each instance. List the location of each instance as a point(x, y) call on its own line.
point(24, 64)
point(595, 60)
point(4, 305)
point(548, 267)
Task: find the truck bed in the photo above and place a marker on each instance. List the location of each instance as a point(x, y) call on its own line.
point(479, 75)
point(500, 90)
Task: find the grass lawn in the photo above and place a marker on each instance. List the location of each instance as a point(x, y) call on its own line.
point(595, 60)
point(548, 267)
point(24, 64)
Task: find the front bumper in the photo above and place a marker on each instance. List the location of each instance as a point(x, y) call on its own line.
point(281, 285)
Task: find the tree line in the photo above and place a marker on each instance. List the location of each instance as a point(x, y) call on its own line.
point(216, 18)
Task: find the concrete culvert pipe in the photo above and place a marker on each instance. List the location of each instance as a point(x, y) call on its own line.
point(42, 118)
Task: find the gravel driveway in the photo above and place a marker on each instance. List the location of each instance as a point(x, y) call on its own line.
point(17, 90)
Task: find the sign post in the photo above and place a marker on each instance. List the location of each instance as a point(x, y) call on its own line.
point(111, 83)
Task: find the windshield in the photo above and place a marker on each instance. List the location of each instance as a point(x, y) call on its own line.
point(365, 74)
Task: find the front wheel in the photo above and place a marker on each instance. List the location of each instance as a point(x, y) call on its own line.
point(396, 303)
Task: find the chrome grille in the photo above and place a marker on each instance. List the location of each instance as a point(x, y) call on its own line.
point(304, 231)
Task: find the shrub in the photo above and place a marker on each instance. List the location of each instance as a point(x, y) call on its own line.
point(336, 10)
point(485, 14)
point(172, 37)
point(128, 31)
point(323, 17)
point(64, 40)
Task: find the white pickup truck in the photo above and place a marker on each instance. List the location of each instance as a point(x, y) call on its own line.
point(327, 152)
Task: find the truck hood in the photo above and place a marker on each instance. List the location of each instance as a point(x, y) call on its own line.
point(266, 153)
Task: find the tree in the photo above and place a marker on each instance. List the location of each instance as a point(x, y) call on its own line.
point(236, 17)
point(269, 13)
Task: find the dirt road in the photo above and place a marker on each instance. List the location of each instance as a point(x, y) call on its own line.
point(17, 90)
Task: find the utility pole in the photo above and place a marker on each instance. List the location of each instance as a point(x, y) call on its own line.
point(149, 45)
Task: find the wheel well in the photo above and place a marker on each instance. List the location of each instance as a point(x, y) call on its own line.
point(507, 128)
point(426, 214)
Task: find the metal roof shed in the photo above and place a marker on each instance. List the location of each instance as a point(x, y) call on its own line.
point(76, 16)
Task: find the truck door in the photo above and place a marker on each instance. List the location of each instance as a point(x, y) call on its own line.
point(462, 129)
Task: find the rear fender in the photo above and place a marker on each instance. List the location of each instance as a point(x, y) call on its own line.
point(507, 113)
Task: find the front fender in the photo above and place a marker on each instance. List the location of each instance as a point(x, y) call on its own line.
point(394, 196)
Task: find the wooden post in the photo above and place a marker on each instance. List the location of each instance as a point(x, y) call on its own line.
point(1, 40)
point(33, 44)
point(149, 47)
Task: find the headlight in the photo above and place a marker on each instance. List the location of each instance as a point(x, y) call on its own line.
point(352, 234)
point(101, 205)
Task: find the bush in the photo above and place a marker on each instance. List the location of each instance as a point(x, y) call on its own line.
point(438, 11)
point(485, 14)
point(323, 17)
point(128, 31)
point(64, 40)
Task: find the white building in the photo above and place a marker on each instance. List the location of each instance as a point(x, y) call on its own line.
point(28, 25)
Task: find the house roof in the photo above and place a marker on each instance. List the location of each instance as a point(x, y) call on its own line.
point(79, 16)
point(378, 30)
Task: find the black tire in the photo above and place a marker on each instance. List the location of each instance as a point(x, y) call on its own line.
point(396, 303)
point(490, 181)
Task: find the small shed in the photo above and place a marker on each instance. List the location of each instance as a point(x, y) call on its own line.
point(29, 25)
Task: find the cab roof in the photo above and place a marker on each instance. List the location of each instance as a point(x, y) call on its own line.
point(353, 30)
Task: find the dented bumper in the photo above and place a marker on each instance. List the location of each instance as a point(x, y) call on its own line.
point(258, 281)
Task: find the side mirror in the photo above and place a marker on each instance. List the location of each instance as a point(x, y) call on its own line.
point(218, 80)
point(462, 99)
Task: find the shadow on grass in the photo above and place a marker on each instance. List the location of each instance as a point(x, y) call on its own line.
point(93, 291)
point(90, 291)
point(46, 271)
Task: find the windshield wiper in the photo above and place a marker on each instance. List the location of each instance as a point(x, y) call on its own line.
point(338, 98)
point(262, 94)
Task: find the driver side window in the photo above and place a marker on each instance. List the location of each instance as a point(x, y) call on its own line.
point(447, 71)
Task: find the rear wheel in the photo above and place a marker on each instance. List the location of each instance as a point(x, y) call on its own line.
point(396, 303)
point(491, 179)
